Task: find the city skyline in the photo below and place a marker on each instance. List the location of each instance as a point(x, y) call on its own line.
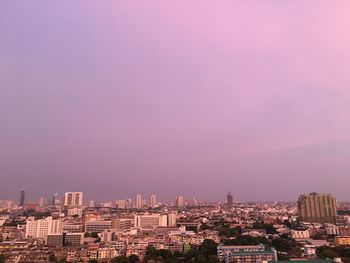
point(146, 199)
point(193, 99)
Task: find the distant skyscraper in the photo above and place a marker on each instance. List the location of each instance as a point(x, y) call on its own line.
point(41, 202)
point(153, 201)
point(91, 203)
point(195, 203)
point(138, 201)
point(179, 201)
point(73, 199)
point(317, 208)
point(229, 201)
point(22, 198)
point(54, 199)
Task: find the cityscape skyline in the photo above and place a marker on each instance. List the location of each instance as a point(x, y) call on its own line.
point(151, 199)
point(115, 99)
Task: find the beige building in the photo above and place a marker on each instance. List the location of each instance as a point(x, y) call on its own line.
point(342, 241)
point(73, 199)
point(317, 208)
point(153, 201)
point(150, 221)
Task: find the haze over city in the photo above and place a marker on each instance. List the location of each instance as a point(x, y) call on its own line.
point(198, 99)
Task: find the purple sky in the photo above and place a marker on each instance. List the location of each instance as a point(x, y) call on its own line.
point(191, 97)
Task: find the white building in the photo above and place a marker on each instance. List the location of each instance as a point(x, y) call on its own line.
point(42, 227)
point(300, 234)
point(138, 201)
point(149, 221)
point(153, 201)
point(107, 253)
point(73, 199)
point(107, 235)
point(171, 220)
point(179, 201)
point(75, 212)
point(309, 250)
point(97, 225)
point(41, 202)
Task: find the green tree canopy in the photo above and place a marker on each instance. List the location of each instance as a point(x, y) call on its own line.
point(133, 258)
point(121, 259)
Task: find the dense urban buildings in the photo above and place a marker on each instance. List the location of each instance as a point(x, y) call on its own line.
point(317, 208)
point(210, 232)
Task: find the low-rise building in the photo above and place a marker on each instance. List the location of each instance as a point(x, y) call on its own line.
point(245, 254)
point(342, 241)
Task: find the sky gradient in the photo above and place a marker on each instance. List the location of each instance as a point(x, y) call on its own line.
point(196, 98)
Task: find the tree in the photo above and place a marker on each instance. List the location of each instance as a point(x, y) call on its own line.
point(329, 253)
point(93, 261)
point(2, 258)
point(208, 248)
point(94, 234)
point(52, 258)
point(133, 258)
point(282, 256)
point(268, 227)
point(164, 253)
point(151, 251)
point(201, 259)
point(213, 259)
point(121, 259)
point(192, 254)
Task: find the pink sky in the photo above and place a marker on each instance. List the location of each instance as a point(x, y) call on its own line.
point(251, 97)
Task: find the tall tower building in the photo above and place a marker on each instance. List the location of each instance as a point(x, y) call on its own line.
point(73, 199)
point(317, 208)
point(54, 199)
point(22, 198)
point(41, 202)
point(153, 201)
point(179, 201)
point(229, 201)
point(138, 201)
point(172, 220)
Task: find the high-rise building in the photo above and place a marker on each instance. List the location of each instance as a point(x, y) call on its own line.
point(91, 203)
point(138, 201)
point(153, 201)
point(22, 198)
point(171, 220)
point(73, 199)
point(41, 202)
point(317, 208)
point(54, 196)
point(229, 201)
point(179, 201)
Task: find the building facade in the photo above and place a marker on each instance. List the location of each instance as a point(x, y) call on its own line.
point(73, 199)
point(317, 208)
point(245, 254)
